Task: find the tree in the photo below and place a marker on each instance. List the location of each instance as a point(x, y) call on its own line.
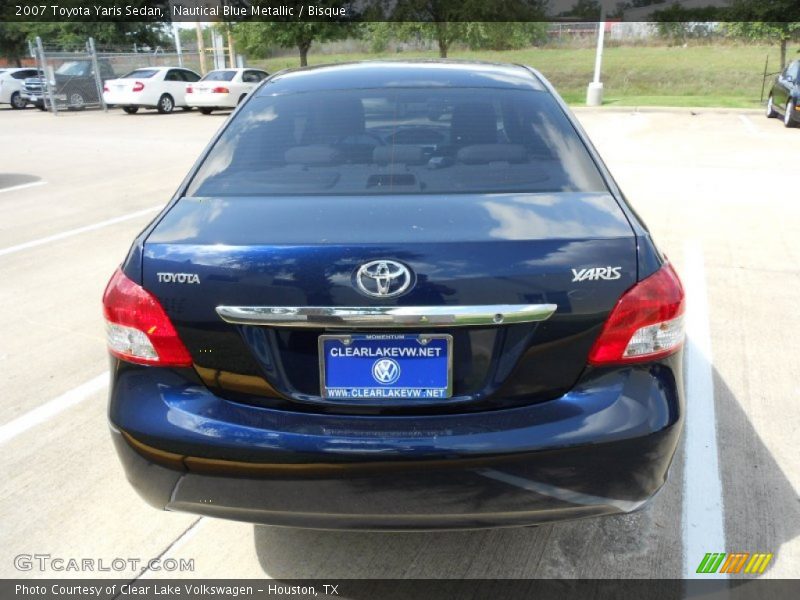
point(586, 10)
point(777, 20)
point(73, 34)
point(449, 21)
point(505, 36)
point(256, 38)
point(13, 42)
point(189, 38)
point(783, 33)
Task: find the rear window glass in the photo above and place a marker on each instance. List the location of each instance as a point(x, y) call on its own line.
point(396, 141)
point(140, 74)
point(219, 76)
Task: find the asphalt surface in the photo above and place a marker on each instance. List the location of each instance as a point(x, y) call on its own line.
point(719, 192)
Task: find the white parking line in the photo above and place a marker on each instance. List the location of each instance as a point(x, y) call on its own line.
point(171, 550)
point(749, 125)
point(565, 495)
point(22, 186)
point(703, 516)
point(66, 234)
point(50, 409)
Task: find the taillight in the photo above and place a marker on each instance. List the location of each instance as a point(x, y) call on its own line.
point(220, 90)
point(138, 86)
point(105, 88)
point(646, 323)
point(138, 330)
point(189, 89)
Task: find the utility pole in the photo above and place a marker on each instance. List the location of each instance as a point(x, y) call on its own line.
point(201, 49)
point(594, 93)
point(231, 48)
point(176, 36)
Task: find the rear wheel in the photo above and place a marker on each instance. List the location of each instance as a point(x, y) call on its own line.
point(166, 104)
point(17, 101)
point(788, 120)
point(206, 111)
point(131, 110)
point(771, 114)
point(76, 101)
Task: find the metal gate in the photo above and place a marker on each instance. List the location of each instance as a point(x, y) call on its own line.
point(73, 80)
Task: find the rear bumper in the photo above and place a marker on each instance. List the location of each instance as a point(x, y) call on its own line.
point(36, 99)
point(129, 99)
point(603, 448)
point(211, 100)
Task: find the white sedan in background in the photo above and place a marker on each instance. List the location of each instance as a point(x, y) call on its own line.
point(224, 88)
point(11, 83)
point(162, 88)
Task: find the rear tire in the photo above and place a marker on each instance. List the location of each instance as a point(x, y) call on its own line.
point(17, 101)
point(788, 121)
point(771, 114)
point(166, 104)
point(131, 110)
point(76, 101)
point(206, 111)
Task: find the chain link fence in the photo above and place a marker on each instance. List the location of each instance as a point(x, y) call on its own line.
point(74, 78)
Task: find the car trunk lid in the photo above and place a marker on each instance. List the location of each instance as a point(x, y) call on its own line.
point(576, 251)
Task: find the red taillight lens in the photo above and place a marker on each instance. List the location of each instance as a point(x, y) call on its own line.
point(138, 329)
point(220, 90)
point(105, 88)
point(138, 86)
point(189, 89)
point(646, 323)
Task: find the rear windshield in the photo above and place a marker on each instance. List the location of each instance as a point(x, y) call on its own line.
point(396, 141)
point(74, 68)
point(140, 74)
point(219, 76)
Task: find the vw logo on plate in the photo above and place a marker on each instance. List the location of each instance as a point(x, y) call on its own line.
point(386, 371)
point(383, 278)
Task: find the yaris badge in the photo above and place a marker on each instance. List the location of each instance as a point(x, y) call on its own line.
point(383, 278)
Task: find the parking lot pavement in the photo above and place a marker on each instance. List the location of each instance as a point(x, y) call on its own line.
point(716, 188)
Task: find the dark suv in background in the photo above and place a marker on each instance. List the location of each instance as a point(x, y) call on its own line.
point(75, 86)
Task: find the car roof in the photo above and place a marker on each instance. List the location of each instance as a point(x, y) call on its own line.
point(387, 74)
point(159, 68)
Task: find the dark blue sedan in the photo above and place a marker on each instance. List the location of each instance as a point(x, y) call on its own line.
point(397, 295)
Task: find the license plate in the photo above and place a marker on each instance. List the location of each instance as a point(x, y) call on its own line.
point(386, 366)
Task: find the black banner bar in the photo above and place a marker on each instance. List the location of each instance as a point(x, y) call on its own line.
point(344, 11)
point(399, 589)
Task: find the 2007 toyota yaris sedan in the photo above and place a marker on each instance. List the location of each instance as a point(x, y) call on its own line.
point(397, 296)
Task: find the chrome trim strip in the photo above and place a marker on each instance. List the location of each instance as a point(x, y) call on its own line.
point(377, 317)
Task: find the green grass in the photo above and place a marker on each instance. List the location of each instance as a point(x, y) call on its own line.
point(704, 76)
